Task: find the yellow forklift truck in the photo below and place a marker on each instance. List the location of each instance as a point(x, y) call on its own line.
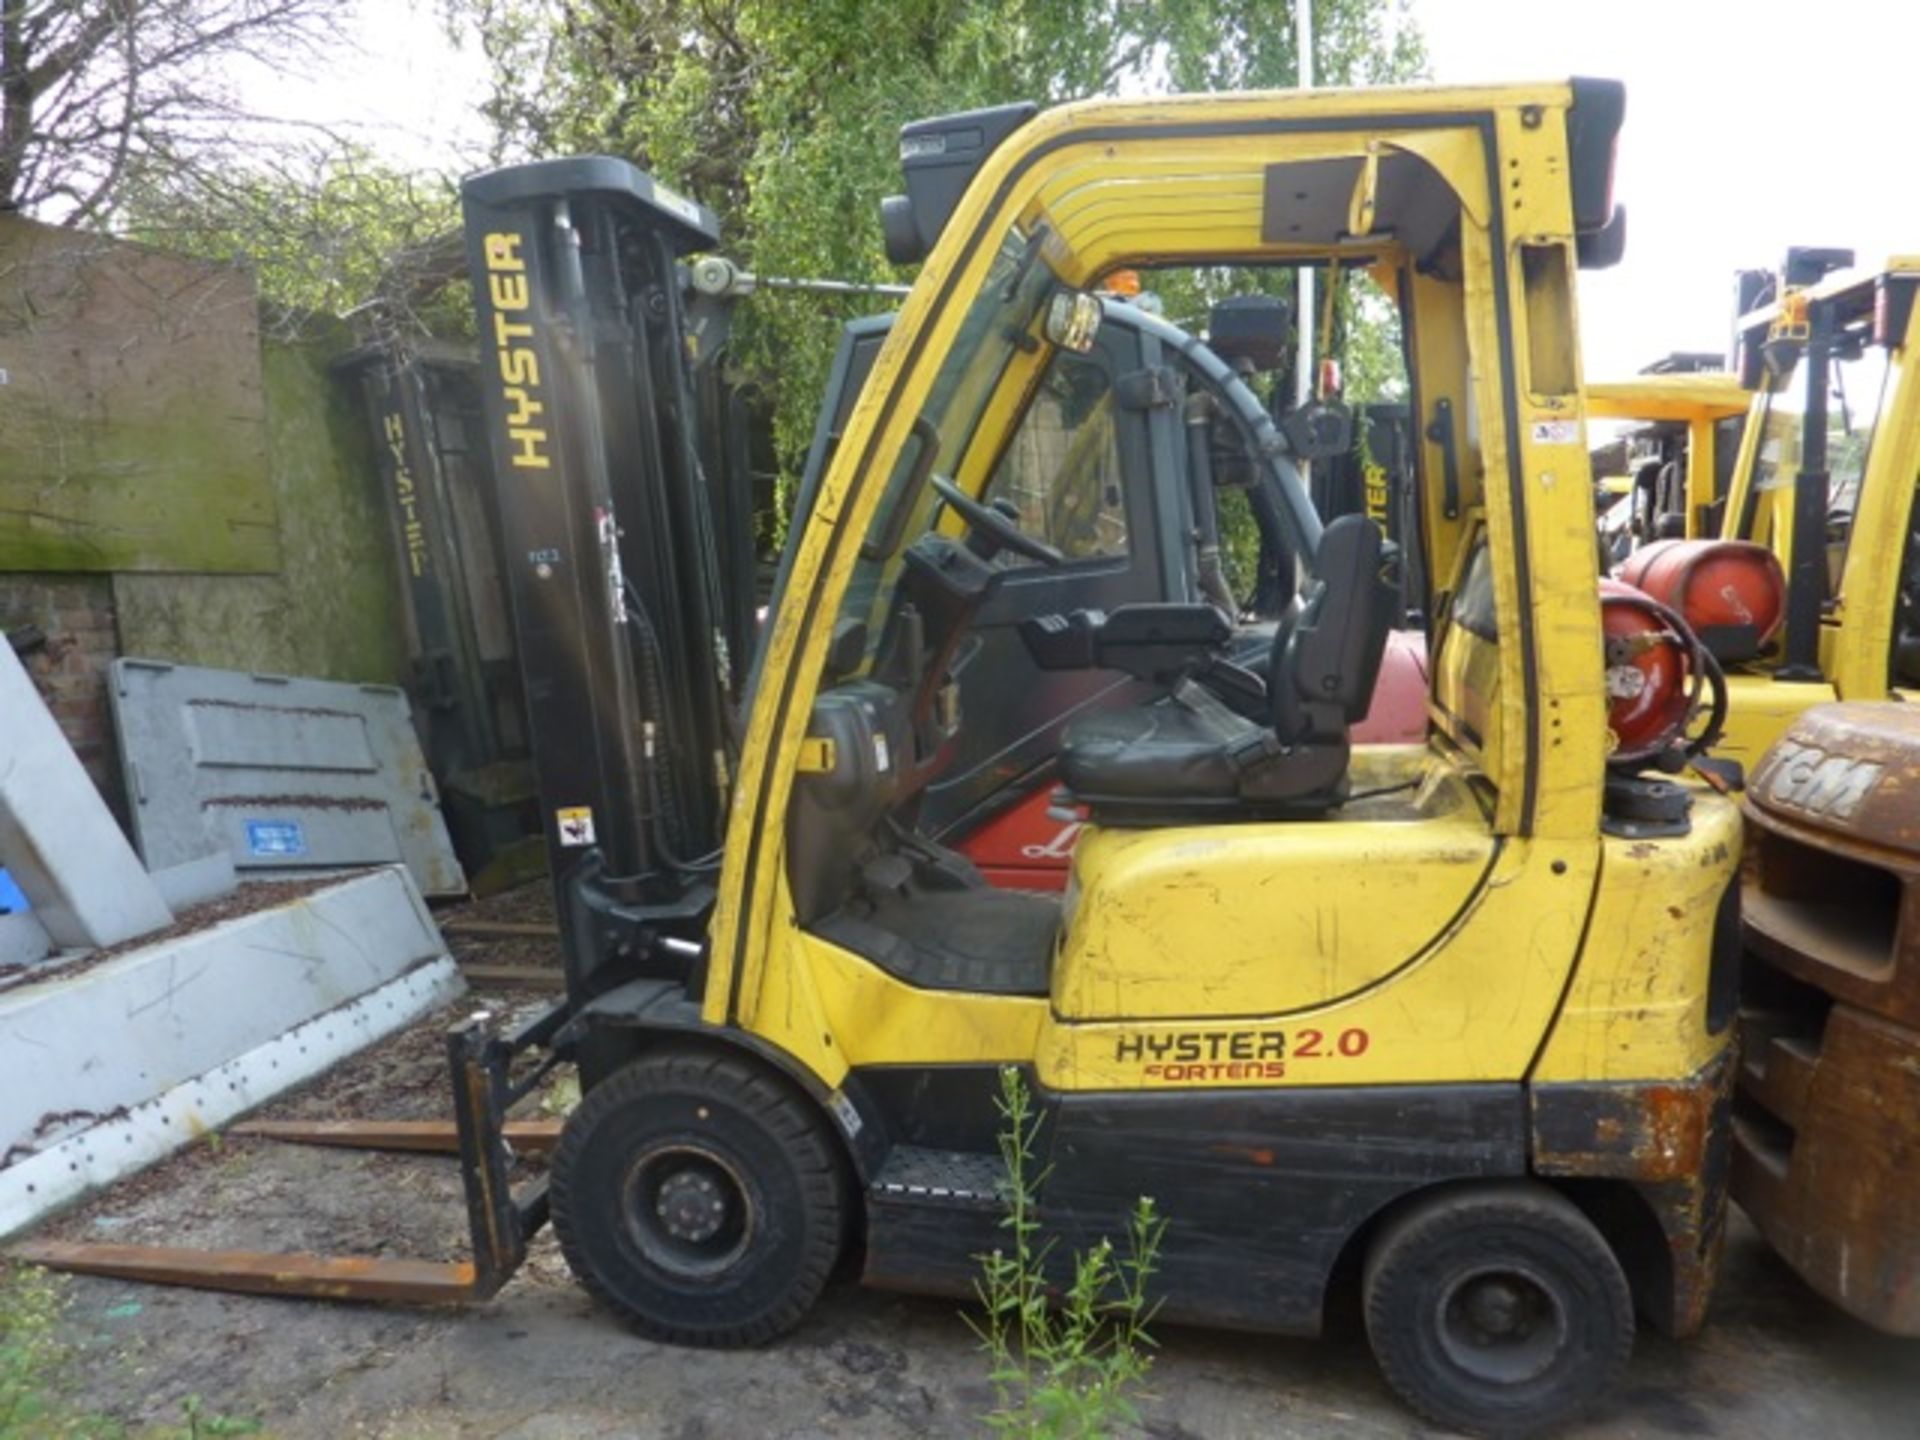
point(1688, 421)
point(1447, 1021)
point(1821, 498)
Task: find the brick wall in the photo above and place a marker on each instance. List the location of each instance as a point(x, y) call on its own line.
point(75, 612)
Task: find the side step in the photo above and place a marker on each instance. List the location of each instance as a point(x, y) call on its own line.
point(931, 1214)
point(959, 1178)
point(500, 1222)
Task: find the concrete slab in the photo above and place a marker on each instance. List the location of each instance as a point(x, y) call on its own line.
point(106, 1066)
point(197, 881)
point(22, 940)
point(57, 837)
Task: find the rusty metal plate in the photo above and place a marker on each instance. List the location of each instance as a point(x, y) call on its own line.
point(252, 1272)
point(1851, 768)
point(426, 1137)
point(1823, 1164)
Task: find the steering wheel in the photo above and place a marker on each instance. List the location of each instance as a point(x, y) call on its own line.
point(994, 523)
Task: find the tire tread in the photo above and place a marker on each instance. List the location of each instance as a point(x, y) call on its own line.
point(1410, 1232)
point(732, 1079)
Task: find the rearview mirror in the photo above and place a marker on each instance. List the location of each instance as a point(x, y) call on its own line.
point(1318, 430)
point(1073, 319)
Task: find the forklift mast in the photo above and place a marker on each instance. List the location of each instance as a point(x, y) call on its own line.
point(612, 567)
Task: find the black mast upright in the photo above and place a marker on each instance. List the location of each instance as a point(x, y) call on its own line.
point(610, 550)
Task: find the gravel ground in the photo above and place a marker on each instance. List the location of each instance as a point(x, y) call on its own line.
point(1775, 1363)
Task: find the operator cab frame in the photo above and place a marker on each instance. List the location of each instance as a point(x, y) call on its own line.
point(1025, 261)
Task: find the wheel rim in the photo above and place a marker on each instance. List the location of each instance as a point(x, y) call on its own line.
point(687, 1210)
point(1502, 1324)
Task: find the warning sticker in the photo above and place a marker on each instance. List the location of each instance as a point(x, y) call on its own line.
point(576, 825)
point(1556, 432)
point(843, 1111)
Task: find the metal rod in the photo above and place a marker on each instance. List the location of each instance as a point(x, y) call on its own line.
point(1303, 322)
point(1807, 572)
point(828, 287)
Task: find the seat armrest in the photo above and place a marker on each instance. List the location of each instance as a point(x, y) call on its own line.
point(1158, 642)
point(1063, 642)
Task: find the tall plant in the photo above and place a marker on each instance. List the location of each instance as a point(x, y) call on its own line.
point(1066, 1362)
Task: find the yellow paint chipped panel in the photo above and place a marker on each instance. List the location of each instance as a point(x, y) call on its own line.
point(1245, 919)
point(1637, 1007)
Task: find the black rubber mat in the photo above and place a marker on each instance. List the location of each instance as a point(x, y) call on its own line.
point(989, 942)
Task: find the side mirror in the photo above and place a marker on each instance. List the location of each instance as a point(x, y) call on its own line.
point(1318, 430)
point(1603, 248)
point(1252, 330)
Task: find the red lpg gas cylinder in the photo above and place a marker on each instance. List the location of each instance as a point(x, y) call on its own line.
point(1731, 593)
point(1650, 672)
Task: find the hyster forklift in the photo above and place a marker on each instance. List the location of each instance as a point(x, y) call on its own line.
point(1445, 1025)
point(1453, 1028)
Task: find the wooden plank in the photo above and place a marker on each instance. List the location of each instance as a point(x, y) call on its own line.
point(518, 977)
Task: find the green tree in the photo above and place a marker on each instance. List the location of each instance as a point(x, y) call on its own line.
point(782, 114)
point(89, 89)
point(328, 229)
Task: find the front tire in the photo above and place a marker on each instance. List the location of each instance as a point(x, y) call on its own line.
point(1498, 1310)
point(701, 1197)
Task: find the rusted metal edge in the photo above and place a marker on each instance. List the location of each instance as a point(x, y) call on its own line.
point(252, 1272)
point(427, 1137)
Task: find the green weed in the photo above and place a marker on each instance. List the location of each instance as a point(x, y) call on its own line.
point(1065, 1365)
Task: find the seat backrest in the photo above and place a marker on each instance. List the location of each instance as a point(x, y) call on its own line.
point(1327, 650)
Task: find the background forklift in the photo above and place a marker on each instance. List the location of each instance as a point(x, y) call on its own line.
point(1456, 1025)
point(1675, 467)
point(1814, 599)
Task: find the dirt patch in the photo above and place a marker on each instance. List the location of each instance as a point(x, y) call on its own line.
point(525, 905)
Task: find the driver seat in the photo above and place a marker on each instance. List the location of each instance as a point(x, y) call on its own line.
point(1195, 757)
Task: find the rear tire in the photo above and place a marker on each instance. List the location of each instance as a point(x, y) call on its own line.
point(1498, 1310)
point(701, 1197)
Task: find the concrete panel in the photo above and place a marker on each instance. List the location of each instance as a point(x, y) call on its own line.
point(284, 775)
point(66, 1168)
point(22, 941)
point(94, 1040)
point(57, 837)
point(197, 881)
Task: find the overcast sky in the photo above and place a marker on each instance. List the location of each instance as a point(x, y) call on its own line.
point(1741, 137)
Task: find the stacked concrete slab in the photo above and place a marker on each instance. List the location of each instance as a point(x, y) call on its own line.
point(136, 1014)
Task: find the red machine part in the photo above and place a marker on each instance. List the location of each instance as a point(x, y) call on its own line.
point(1654, 673)
point(1027, 846)
point(1731, 593)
